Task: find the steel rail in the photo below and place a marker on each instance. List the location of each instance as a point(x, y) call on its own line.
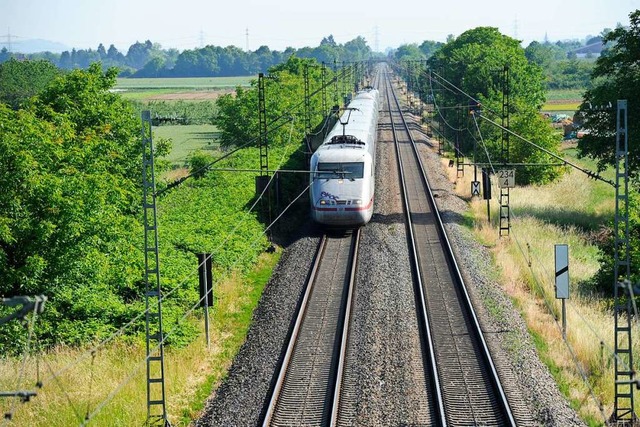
point(294, 333)
point(345, 334)
point(415, 265)
point(309, 379)
point(458, 278)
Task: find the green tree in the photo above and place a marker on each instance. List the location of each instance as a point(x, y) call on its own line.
point(542, 54)
point(139, 53)
point(475, 62)
point(569, 74)
point(69, 169)
point(615, 76)
point(238, 115)
point(4, 54)
point(20, 80)
point(603, 281)
point(428, 47)
point(154, 68)
point(409, 52)
point(102, 52)
point(357, 49)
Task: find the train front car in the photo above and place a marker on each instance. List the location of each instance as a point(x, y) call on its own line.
point(343, 167)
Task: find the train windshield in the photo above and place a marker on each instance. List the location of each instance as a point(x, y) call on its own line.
point(351, 171)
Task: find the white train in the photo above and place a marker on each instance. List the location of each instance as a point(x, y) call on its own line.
point(343, 167)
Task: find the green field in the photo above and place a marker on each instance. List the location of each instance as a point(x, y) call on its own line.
point(184, 83)
point(564, 94)
point(186, 139)
point(563, 100)
point(187, 88)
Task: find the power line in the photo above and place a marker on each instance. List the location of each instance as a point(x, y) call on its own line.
point(591, 174)
point(55, 375)
point(548, 304)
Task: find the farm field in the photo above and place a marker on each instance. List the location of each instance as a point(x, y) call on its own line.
point(183, 83)
point(563, 101)
point(188, 88)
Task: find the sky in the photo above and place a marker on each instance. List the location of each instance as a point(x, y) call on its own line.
point(187, 24)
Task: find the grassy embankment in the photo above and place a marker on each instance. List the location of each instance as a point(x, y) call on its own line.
point(191, 372)
point(572, 210)
point(115, 375)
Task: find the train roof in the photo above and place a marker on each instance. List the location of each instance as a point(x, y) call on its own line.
point(342, 154)
point(361, 113)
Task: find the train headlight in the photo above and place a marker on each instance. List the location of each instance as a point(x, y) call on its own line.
point(357, 202)
point(323, 202)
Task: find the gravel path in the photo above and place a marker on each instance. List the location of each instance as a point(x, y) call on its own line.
point(386, 380)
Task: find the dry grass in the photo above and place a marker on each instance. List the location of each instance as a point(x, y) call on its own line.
point(190, 372)
point(542, 217)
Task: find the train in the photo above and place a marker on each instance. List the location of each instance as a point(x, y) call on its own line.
point(342, 169)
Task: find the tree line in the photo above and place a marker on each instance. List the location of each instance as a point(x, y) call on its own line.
point(151, 60)
point(562, 69)
point(71, 201)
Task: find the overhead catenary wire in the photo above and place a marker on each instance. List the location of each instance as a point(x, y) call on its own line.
point(551, 277)
point(568, 345)
point(548, 304)
point(167, 334)
point(26, 351)
point(589, 173)
point(287, 115)
point(462, 92)
point(438, 109)
point(552, 154)
point(99, 407)
point(91, 353)
point(238, 224)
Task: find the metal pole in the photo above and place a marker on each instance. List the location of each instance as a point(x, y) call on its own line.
point(156, 395)
point(564, 319)
point(488, 212)
point(206, 303)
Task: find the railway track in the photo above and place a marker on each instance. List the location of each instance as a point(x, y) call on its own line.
point(466, 386)
point(310, 377)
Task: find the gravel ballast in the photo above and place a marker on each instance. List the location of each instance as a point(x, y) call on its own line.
point(388, 383)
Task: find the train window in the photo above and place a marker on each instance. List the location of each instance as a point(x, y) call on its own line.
point(352, 170)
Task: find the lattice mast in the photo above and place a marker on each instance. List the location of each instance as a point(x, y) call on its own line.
point(505, 214)
point(156, 396)
point(623, 413)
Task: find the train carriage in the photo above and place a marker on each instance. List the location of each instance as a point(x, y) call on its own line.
point(343, 167)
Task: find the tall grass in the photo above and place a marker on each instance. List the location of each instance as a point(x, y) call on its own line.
point(190, 373)
point(568, 211)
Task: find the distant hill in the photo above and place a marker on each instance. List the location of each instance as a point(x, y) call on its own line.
point(35, 46)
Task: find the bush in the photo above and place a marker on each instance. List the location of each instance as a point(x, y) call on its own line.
point(603, 280)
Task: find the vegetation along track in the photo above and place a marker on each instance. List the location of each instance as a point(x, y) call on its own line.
point(306, 386)
point(465, 380)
